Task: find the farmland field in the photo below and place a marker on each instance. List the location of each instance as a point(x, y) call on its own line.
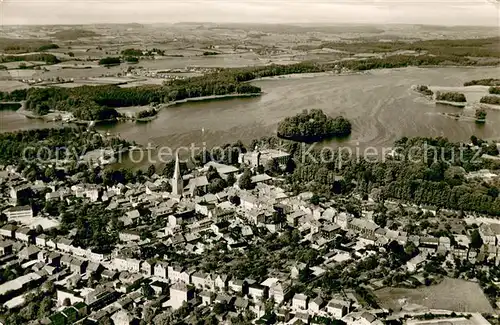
point(450, 294)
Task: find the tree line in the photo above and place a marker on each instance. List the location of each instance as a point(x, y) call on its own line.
point(45, 57)
point(483, 82)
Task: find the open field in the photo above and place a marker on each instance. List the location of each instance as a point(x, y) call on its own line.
point(450, 294)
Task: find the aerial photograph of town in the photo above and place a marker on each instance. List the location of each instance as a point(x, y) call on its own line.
point(250, 162)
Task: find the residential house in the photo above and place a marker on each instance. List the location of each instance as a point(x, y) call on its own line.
point(124, 317)
point(338, 308)
point(416, 262)
point(428, 245)
point(40, 240)
point(159, 287)
point(257, 291)
point(363, 226)
point(343, 220)
point(329, 231)
point(295, 270)
point(316, 305)
point(280, 290)
point(487, 234)
point(178, 274)
point(237, 285)
point(221, 281)
point(299, 301)
point(95, 268)
point(147, 268)
point(126, 264)
point(241, 304)
point(179, 294)
point(206, 298)
point(129, 235)
point(8, 231)
point(5, 247)
point(161, 269)
point(29, 252)
point(78, 265)
point(181, 218)
point(198, 279)
point(25, 235)
point(65, 244)
point(54, 259)
point(66, 260)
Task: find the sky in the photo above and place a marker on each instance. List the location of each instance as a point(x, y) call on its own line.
point(435, 12)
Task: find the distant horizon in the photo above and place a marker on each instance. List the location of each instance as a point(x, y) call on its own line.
point(357, 12)
point(291, 23)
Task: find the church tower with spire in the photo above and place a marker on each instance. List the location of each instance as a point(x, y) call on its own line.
point(177, 181)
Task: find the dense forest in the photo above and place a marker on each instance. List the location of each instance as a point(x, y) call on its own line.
point(451, 97)
point(99, 102)
point(312, 126)
point(484, 47)
point(13, 144)
point(494, 100)
point(14, 96)
point(435, 175)
point(483, 82)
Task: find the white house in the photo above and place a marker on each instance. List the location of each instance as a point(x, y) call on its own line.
point(179, 293)
point(161, 269)
point(299, 301)
point(316, 305)
point(338, 308)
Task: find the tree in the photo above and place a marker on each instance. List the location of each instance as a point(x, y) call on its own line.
point(217, 185)
point(245, 181)
point(235, 200)
point(475, 239)
point(380, 219)
point(230, 179)
point(314, 199)
point(480, 115)
point(45, 307)
point(151, 170)
point(147, 291)
point(219, 308)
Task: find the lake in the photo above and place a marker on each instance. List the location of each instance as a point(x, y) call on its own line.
point(380, 104)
